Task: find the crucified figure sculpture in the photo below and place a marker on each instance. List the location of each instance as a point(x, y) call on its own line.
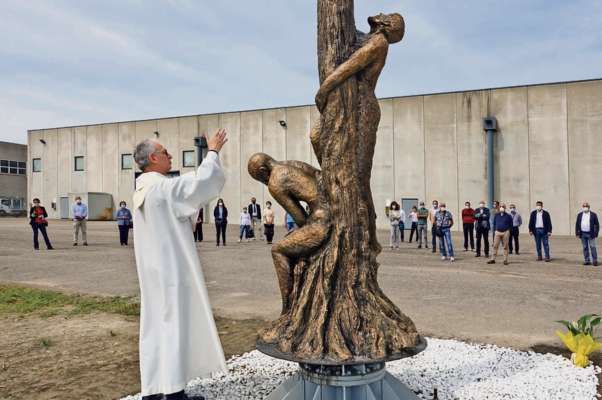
point(367, 61)
point(291, 182)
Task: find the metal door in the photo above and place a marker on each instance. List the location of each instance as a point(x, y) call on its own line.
point(64, 207)
point(406, 205)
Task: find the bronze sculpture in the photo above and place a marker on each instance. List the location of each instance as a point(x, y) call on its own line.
point(333, 308)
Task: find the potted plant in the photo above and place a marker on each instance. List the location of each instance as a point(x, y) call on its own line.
point(580, 339)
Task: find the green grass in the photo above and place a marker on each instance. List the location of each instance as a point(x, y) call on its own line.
point(24, 300)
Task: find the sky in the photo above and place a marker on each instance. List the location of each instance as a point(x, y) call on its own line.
point(66, 63)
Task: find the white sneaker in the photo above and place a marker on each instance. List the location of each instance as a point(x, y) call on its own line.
point(443, 258)
point(238, 240)
point(452, 259)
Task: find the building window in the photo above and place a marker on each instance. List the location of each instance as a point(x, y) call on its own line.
point(22, 168)
point(12, 167)
point(127, 162)
point(4, 166)
point(188, 158)
point(36, 165)
point(79, 163)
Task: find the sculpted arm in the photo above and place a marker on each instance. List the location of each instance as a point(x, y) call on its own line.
point(358, 61)
point(291, 206)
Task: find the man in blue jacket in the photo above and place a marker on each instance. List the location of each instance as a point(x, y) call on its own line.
point(503, 224)
point(540, 226)
point(587, 229)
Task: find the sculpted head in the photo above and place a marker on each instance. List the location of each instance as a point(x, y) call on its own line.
point(260, 167)
point(391, 25)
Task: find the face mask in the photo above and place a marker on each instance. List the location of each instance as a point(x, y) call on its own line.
point(586, 209)
point(538, 208)
point(512, 210)
point(482, 205)
point(442, 208)
point(36, 204)
point(502, 209)
point(123, 206)
point(435, 205)
point(467, 205)
point(220, 204)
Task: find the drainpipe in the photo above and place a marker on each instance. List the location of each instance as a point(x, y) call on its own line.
point(490, 126)
point(200, 142)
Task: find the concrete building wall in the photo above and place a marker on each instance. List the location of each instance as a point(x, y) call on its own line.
point(432, 146)
point(13, 185)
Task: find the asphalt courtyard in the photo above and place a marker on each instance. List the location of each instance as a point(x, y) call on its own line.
point(514, 305)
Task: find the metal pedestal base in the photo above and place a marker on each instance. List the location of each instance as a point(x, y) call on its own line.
point(342, 382)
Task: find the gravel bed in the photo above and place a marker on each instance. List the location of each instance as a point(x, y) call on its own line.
point(458, 370)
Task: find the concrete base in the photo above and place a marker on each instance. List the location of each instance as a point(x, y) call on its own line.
point(364, 382)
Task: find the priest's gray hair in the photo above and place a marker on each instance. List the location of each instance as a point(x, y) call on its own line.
point(143, 151)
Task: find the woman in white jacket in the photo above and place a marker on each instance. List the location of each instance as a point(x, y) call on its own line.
point(394, 218)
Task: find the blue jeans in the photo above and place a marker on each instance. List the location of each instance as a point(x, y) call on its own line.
point(589, 243)
point(541, 237)
point(446, 240)
point(244, 229)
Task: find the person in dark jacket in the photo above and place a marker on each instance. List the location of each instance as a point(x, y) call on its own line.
point(198, 227)
point(468, 226)
point(540, 226)
point(587, 228)
point(38, 222)
point(503, 226)
point(254, 210)
point(220, 215)
point(482, 216)
point(124, 223)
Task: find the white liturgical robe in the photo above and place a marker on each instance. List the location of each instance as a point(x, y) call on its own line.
point(178, 337)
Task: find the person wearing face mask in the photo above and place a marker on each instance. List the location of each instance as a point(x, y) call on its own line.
point(268, 222)
point(434, 212)
point(482, 216)
point(394, 218)
point(503, 225)
point(423, 216)
point(38, 222)
point(444, 221)
point(517, 221)
point(80, 213)
point(468, 226)
point(124, 223)
point(587, 228)
point(494, 210)
point(220, 215)
point(540, 227)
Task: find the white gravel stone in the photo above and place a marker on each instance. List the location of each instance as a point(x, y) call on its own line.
point(459, 371)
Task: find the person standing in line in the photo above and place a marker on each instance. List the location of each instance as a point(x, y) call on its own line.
point(414, 220)
point(482, 227)
point(394, 218)
point(198, 226)
point(540, 226)
point(402, 222)
point(38, 222)
point(245, 225)
point(268, 222)
point(80, 213)
point(423, 216)
point(587, 228)
point(468, 226)
point(434, 212)
point(494, 211)
point(444, 221)
point(289, 222)
point(503, 225)
point(517, 221)
point(255, 212)
point(220, 215)
point(124, 223)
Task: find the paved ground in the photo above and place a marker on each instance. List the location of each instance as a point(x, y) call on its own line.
point(514, 305)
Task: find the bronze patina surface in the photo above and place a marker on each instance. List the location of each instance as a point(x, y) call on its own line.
point(333, 310)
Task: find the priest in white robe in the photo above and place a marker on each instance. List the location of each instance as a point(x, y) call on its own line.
point(178, 337)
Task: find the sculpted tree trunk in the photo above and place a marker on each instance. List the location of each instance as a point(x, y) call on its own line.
point(334, 308)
